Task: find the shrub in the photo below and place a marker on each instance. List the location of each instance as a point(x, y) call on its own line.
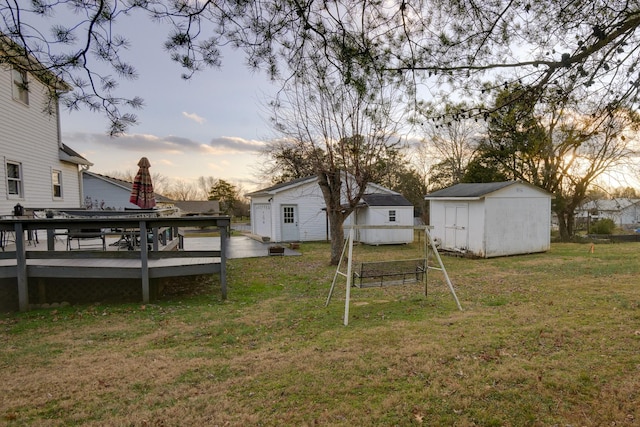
point(603, 226)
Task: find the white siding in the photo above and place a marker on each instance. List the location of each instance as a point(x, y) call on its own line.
point(379, 215)
point(517, 226)
point(311, 216)
point(29, 136)
point(476, 227)
point(110, 195)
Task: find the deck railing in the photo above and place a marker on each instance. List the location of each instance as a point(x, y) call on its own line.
point(148, 260)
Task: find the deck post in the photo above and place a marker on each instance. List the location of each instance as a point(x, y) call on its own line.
point(154, 232)
point(144, 262)
point(21, 266)
point(51, 239)
point(223, 261)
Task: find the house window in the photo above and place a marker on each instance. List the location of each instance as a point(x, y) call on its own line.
point(392, 216)
point(20, 86)
point(56, 180)
point(14, 179)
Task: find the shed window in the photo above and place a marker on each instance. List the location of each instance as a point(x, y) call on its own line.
point(20, 86)
point(14, 179)
point(392, 216)
point(56, 181)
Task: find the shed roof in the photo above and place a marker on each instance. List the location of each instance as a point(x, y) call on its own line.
point(277, 187)
point(381, 199)
point(283, 186)
point(475, 190)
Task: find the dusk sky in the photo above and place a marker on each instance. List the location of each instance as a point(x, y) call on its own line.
point(211, 125)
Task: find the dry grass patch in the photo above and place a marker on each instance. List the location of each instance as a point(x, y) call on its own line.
point(545, 339)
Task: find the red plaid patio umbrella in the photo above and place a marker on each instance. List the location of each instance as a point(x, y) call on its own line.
point(142, 190)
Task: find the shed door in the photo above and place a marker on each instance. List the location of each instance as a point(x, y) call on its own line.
point(290, 232)
point(262, 220)
point(456, 223)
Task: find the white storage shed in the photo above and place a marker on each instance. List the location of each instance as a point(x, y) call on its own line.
point(491, 219)
point(384, 209)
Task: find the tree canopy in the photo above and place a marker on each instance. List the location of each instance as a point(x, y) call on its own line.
point(427, 46)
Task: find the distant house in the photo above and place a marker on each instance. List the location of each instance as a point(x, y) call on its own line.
point(491, 219)
point(103, 192)
point(296, 211)
point(197, 207)
point(40, 172)
point(624, 212)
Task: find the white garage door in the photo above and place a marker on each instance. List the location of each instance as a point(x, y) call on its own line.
point(262, 219)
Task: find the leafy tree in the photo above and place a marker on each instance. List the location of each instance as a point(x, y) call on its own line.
point(204, 184)
point(226, 194)
point(603, 226)
point(412, 186)
point(286, 160)
point(553, 146)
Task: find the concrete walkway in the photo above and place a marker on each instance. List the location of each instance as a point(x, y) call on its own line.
point(238, 246)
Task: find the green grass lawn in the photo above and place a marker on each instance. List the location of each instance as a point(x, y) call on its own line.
point(545, 339)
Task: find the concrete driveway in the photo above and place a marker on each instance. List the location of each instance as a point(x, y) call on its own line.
point(238, 246)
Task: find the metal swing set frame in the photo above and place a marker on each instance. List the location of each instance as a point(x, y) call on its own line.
point(419, 272)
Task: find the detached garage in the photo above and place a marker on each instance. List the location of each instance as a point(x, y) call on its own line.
point(491, 219)
point(295, 211)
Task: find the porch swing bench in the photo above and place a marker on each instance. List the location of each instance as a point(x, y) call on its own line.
point(383, 273)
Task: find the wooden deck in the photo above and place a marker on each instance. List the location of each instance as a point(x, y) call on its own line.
point(45, 259)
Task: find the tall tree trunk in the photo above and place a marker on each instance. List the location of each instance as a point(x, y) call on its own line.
point(562, 226)
point(336, 233)
point(331, 186)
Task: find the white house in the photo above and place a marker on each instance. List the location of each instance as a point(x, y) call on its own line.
point(103, 192)
point(40, 172)
point(296, 211)
point(491, 219)
point(624, 212)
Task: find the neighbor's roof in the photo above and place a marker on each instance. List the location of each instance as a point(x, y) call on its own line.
point(126, 185)
point(67, 154)
point(381, 199)
point(612, 205)
point(474, 190)
point(198, 206)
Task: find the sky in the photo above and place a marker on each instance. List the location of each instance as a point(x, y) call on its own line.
point(211, 125)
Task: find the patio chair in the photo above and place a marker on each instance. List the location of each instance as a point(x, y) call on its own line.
point(86, 239)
